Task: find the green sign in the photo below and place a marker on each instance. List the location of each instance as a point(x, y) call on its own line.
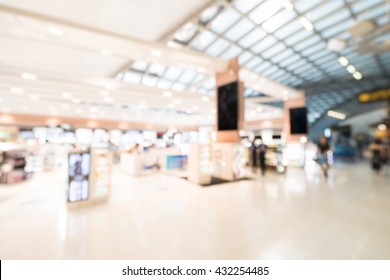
point(374, 96)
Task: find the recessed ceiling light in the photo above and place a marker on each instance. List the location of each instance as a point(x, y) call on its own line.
point(357, 75)
point(167, 94)
point(93, 109)
point(156, 53)
point(201, 69)
point(105, 53)
point(351, 69)
point(343, 60)
point(108, 99)
point(34, 97)
point(104, 93)
point(29, 76)
point(111, 87)
point(16, 90)
point(382, 127)
point(205, 98)
point(67, 95)
point(55, 30)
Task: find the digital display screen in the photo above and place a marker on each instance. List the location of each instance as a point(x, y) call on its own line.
point(298, 120)
point(176, 162)
point(228, 107)
point(79, 170)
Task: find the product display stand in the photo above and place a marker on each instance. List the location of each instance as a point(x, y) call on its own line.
point(199, 166)
point(13, 163)
point(228, 161)
point(89, 176)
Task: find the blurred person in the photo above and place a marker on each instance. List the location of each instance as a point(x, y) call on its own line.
point(378, 155)
point(262, 152)
point(323, 148)
point(254, 156)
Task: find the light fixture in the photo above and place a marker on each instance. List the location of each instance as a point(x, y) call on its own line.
point(108, 99)
point(16, 90)
point(327, 132)
point(111, 87)
point(29, 76)
point(178, 101)
point(205, 98)
point(382, 127)
point(343, 60)
point(357, 75)
point(156, 53)
point(55, 30)
point(67, 95)
point(336, 115)
point(306, 23)
point(34, 97)
point(104, 93)
point(201, 70)
point(351, 69)
point(105, 53)
point(167, 94)
point(93, 109)
point(303, 139)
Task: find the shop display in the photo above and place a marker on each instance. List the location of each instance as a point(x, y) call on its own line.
point(100, 178)
point(12, 163)
point(274, 158)
point(79, 171)
point(199, 164)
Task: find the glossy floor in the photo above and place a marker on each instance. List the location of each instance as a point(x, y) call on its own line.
point(300, 215)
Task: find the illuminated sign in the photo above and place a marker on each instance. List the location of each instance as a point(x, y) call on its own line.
point(374, 96)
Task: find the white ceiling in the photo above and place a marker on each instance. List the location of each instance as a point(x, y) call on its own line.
point(143, 19)
point(84, 61)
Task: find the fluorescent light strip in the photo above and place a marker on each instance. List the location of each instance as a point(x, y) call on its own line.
point(336, 115)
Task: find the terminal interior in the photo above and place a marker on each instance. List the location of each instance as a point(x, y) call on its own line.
point(198, 129)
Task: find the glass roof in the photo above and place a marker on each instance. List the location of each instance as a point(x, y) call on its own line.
point(287, 41)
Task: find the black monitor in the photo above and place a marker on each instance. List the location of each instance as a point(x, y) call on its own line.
point(228, 100)
point(298, 120)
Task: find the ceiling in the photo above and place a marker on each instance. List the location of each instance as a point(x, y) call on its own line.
point(155, 61)
point(287, 41)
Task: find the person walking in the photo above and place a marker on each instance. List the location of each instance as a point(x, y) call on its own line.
point(254, 156)
point(262, 152)
point(378, 156)
point(322, 155)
